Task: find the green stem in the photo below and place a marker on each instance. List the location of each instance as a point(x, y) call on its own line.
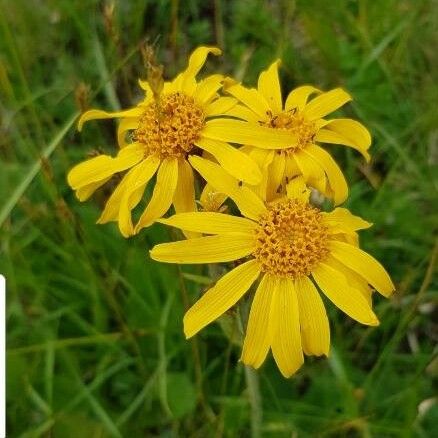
point(252, 384)
point(195, 351)
point(255, 401)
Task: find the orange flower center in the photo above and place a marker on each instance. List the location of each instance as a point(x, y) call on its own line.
point(291, 239)
point(297, 124)
point(170, 127)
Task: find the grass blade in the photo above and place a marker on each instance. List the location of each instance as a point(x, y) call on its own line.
point(33, 171)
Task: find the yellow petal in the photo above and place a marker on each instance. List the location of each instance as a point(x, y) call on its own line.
point(297, 189)
point(207, 89)
point(326, 103)
point(126, 125)
point(162, 196)
point(243, 112)
point(351, 238)
point(353, 130)
point(347, 132)
point(184, 197)
point(144, 85)
point(251, 98)
point(220, 106)
point(133, 192)
point(235, 162)
point(149, 95)
point(291, 168)
point(263, 158)
point(211, 199)
point(112, 207)
point(269, 87)
point(341, 220)
point(99, 114)
point(334, 174)
point(198, 57)
point(210, 249)
point(353, 279)
point(196, 62)
point(245, 133)
point(168, 88)
point(103, 166)
point(225, 294)
point(315, 329)
point(332, 137)
point(321, 186)
point(176, 83)
point(298, 98)
point(249, 204)
point(308, 166)
point(85, 192)
point(276, 175)
point(211, 223)
point(365, 265)
point(335, 286)
point(286, 339)
point(259, 329)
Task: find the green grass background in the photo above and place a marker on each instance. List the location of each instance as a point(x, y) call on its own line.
point(95, 342)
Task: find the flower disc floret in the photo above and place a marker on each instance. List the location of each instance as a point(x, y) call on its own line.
point(296, 123)
point(171, 126)
point(291, 239)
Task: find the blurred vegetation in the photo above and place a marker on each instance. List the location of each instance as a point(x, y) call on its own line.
point(95, 342)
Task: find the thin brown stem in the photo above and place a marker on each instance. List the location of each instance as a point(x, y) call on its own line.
point(174, 29)
point(218, 24)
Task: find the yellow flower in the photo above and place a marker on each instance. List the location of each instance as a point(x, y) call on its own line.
point(212, 200)
point(163, 134)
point(302, 126)
point(295, 249)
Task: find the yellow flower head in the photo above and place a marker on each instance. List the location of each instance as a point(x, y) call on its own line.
point(164, 132)
point(294, 249)
point(299, 126)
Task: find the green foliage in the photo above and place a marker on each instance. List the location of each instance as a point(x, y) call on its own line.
point(95, 342)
